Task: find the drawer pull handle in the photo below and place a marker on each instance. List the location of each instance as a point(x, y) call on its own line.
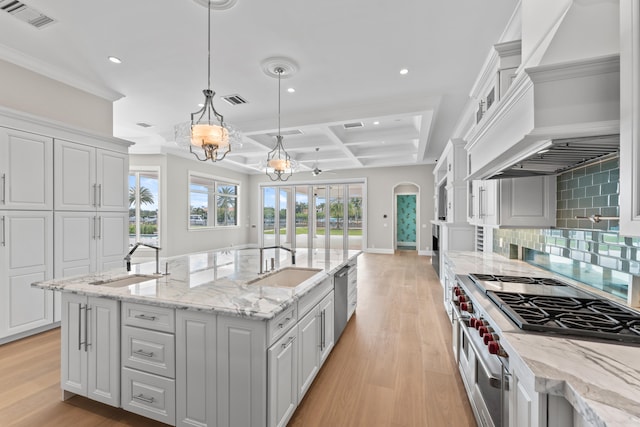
point(144, 353)
point(288, 343)
point(145, 317)
point(281, 325)
point(144, 398)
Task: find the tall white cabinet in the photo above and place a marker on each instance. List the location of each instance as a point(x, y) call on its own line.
point(63, 211)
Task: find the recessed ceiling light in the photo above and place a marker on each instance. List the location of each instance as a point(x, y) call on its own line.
point(291, 90)
point(115, 60)
point(376, 122)
point(200, 105)
point(404, 71)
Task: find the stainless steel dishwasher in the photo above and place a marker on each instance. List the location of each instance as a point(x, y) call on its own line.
point(340, 288)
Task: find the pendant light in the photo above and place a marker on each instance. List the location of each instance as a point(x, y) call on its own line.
point(208, 130)
point(279, 164)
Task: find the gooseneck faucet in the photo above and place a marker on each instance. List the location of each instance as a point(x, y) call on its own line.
point(157, 249)
point(293, 254)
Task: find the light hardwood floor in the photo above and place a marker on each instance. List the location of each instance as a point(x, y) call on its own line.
point(393, 365)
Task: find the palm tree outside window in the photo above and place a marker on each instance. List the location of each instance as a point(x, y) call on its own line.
point(144, 198)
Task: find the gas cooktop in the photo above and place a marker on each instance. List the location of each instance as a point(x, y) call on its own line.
point(528, 285)
point(584, 317)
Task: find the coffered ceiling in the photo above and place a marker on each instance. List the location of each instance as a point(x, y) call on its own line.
point(350, 100)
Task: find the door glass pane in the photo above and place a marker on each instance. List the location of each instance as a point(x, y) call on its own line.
point(284, 221)
point(134, 223)
point(302, 217)
point(268, 216)
point(354, 218)
point(319, 195)
point(336, 217)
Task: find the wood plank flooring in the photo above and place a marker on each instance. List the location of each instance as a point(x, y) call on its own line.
point(392, 367)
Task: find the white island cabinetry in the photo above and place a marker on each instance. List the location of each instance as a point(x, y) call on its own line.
point(91, 348)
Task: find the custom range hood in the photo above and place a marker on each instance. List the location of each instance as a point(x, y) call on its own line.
point(559, 155)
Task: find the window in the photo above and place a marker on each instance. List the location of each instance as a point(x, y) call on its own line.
point(144, 199)
point(212, 202)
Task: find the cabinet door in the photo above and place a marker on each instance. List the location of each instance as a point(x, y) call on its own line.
point(195, 369)
point(528, 202)
point(242, 381)
point(326, 308)
point(112, 186)
point(520, 406)
point(309, 348)
point(488, 197)
point(26, 255)
point(103, 350)
point(26, 170)
point(75, 176)
point(73, 357)
point(75, 243)
point(283, 385)
point(112, 239)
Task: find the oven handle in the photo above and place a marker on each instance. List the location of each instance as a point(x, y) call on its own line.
point(458, 314)
point(494, 381)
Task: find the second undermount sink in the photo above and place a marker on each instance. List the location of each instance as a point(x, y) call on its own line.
point(125, 281)
point(288, 277)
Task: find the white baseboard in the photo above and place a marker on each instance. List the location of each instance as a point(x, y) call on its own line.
point(425, 253)
point(379, 251)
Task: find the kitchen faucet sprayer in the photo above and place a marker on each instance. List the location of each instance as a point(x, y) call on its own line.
point(127, 258)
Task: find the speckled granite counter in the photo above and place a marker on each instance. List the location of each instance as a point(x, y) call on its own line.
point(600, 380)
point(213, 281)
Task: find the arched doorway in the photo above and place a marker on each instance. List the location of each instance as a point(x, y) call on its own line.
point(407, 214)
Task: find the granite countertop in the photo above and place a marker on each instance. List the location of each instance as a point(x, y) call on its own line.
point(601, 380)
point(213, 281)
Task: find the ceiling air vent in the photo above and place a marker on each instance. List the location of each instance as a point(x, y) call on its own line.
point(234, 99)
point(26, 13)
point(286, 133)
point(353, 125)
point(144, 125)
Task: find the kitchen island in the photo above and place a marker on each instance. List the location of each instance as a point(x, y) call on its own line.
point(555, 379)
point(203, 345)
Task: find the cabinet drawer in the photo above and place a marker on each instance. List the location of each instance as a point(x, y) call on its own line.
point(149, 395)
point(282, 323)
point(149, 351)
point(313, 297)
point(352, 284)
point(147, 316)
point(352, 303)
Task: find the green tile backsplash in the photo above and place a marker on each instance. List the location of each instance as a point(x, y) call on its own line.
point(590, 190)
point(586, 191)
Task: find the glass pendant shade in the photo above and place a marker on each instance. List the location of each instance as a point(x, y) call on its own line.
point(208, 131)
point(279, 164)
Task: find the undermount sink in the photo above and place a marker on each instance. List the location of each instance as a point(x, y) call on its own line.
point(125, 281)
point(288, 277)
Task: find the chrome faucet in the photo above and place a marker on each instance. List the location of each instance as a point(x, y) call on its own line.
point(128, 257)
point(293, 254)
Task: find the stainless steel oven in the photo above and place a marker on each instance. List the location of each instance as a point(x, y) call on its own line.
point(482, 363)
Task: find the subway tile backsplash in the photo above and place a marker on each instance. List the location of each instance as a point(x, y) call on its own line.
point(590, 190)
point(586, 191)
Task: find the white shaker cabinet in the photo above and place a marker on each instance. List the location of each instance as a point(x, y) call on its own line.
point(91, 348)
point(86, 242)
point(242, 384)
point(195, 369)
point(89, 178)
point(514, 202)
point(316, 340)
point(282, 362)
point(484, 203)
point(26, 255)
point(26, 170)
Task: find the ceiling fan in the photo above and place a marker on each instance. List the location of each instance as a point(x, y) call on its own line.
point(316, 169)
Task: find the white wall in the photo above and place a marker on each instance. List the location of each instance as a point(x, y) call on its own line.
point(24, 90)
point(380, 200)
point(176, 238)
